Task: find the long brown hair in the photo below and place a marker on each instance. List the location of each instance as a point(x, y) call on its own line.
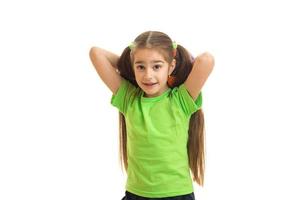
point(163, 43)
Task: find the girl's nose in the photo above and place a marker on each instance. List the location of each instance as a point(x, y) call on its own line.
point(148, 73)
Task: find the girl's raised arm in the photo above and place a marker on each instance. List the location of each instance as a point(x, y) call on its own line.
point(105, 64)
point(202, 68)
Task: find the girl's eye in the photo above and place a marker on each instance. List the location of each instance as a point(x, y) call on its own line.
point(140, 67)
point(156, 67)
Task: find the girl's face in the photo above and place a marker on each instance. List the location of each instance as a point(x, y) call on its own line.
point(151, 71)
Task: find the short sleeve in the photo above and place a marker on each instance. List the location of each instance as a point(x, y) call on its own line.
point(186, 102)
point(123, 96)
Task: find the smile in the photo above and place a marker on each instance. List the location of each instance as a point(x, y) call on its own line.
point(149, 84)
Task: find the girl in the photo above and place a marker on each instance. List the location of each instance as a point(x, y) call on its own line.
point(156, 86)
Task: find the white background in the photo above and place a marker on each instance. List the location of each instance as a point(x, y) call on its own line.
point(59, 133)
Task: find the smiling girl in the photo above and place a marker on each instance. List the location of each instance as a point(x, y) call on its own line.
point(156, 86)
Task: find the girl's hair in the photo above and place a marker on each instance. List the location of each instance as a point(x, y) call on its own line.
point(163, 43)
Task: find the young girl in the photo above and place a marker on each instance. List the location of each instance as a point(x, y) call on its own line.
point(156, 86)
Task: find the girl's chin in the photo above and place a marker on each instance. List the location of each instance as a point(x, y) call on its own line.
point(150, 91)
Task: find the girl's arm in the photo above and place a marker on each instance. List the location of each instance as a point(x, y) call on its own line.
point(105, 63)
point(202, 68)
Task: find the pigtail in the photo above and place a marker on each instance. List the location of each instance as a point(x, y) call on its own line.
point(196, 134)
point(196, 146)
point(183, 67)
point(126, 71)
point(123, 142)
point(124, 66)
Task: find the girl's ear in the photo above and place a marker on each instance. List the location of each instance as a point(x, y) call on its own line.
point(172, 66)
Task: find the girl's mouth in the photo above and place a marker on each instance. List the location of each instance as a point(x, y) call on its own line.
point(149, 84)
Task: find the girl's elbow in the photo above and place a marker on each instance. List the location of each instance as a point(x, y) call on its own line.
point(206, 59)
point(94, 51)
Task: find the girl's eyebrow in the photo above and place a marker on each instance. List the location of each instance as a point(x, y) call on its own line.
point(157, 61)
point(153, 61)
point(138, 62)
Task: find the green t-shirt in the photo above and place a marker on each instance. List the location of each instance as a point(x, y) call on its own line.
point(157, 133)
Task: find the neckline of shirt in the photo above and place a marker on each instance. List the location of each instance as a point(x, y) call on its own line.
point(151, 99)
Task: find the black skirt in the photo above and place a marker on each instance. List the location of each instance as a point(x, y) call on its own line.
point(131, 196)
